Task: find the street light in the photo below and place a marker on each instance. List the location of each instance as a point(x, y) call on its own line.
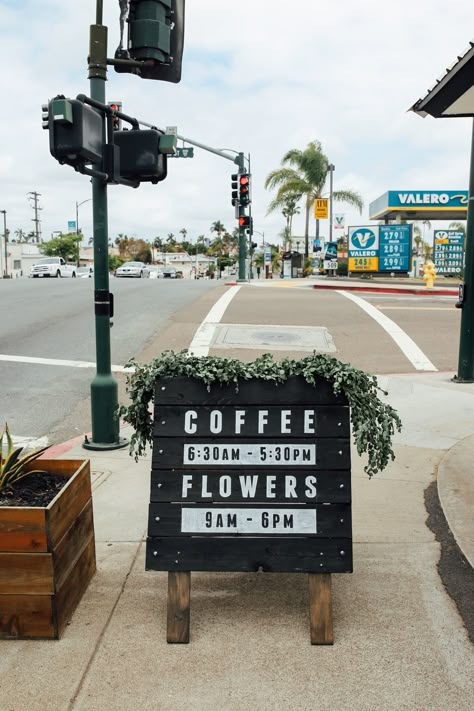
point(5, 237)
point(78, 205)
point(331, 169)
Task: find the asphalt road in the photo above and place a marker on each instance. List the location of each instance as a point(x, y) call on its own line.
point(54, 319)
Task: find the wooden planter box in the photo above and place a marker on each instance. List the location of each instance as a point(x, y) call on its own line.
point(47, 556)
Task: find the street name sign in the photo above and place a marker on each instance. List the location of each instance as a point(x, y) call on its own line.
point(183, 153)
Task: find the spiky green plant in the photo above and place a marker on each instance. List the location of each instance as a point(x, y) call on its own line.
point(13, 466)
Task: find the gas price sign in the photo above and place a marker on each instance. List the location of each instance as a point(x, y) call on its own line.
point(394, 248)
point(249, 478)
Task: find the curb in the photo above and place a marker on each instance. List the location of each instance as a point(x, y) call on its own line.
point(387, 290)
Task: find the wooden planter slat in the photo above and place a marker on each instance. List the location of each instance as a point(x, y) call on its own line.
point(23, 529)
point(26, 574)
point(47, 556)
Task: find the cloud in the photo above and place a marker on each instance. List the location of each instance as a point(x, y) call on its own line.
point(258, 77)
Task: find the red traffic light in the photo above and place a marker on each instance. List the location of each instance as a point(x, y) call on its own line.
point(244, 221)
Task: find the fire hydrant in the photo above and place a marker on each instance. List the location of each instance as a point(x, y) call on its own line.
point(429, 275)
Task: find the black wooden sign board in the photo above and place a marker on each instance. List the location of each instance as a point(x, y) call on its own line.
point(248, 478)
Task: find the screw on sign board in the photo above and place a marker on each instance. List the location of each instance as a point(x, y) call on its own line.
point(246, 479)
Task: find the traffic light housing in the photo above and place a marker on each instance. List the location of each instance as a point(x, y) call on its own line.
point(117, 122)
point(140, 158)
point(235, 189)
point(244, 189)
point(244, 221)
point(254, 245)
point(155, 37)
point(75, 131)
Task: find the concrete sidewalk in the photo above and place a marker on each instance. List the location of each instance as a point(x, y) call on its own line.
point(399, 640)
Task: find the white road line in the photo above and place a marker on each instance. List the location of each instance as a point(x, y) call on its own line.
point(408, 347)
point(203, 337)
point(56, 361)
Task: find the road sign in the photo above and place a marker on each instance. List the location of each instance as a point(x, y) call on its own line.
point(321, 210)
point(183, 153)
point(242, 478)
point(448, 251)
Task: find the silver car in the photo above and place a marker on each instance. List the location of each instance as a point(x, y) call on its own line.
point(138, 270)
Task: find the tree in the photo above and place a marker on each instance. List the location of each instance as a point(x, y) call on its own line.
point(170, 243)
point(138, 251)
point(64, 245)
point(418, 240)
point(290, 208)
point(460, 226)
point(304, 174)
point(217, 227)
point(21, 235)
point(183, 231)
point(201, 244)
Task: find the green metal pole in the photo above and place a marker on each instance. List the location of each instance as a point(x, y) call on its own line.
point(104, 390)
point(466, 342)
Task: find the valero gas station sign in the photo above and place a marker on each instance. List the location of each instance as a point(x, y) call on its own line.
point(380, 248)
point(420, 205)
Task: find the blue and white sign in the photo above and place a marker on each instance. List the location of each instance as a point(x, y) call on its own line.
point(395, 248)
point(363, 241)
point(71, 226)
point(448, 251)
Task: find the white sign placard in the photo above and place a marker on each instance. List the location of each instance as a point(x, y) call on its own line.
point(249, 520)
point(263, 455)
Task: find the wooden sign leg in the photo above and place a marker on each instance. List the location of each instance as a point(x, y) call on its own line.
point(179, 604)
point(320, 608)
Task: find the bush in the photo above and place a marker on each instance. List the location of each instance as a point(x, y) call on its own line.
point(342, 268)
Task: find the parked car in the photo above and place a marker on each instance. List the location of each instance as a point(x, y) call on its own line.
point(53, 267)
point(85, 272)
point(169, 272)
point(156, 272)
point(138, 270)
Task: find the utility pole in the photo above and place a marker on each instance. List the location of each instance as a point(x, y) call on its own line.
point(5, 235)
point(35, 197)
point(104, 389)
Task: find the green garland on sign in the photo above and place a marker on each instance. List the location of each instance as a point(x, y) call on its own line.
point(373, 421)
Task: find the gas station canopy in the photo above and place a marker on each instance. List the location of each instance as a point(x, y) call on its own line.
point(420, 205)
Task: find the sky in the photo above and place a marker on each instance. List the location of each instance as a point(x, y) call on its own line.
point(258, 76)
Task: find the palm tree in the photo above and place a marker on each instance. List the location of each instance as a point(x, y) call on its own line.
point(21, 235)
point(218, 227)
point(170, 242)
point(183, 231)
point(418, 239)
point(290, 208)
point(460, 226)
point(306, 177)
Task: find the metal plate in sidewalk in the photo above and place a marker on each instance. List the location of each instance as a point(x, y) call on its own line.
point(278, 338)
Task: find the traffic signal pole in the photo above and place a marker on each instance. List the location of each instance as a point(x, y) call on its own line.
point(239, 160)
point(104, 389)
